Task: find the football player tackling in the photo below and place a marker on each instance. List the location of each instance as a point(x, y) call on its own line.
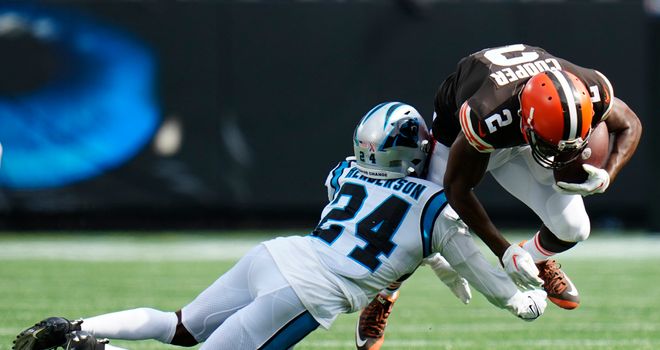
point(381, 223)
point(519, 112)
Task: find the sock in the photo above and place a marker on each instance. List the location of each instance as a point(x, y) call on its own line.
point(135, 324)
point(112, 347)
point(389, 293)
point(534, 248)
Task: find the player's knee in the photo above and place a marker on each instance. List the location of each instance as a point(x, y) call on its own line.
point(573, 229)
point(182, 337)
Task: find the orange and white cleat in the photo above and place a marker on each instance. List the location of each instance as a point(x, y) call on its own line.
point(370, 332)
point(559, 287)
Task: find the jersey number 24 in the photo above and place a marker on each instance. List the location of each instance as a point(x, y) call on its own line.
point(376, 228)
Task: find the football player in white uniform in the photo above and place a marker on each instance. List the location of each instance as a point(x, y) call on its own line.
point(381, 223)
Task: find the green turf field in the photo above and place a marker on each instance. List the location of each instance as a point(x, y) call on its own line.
point(80, 275)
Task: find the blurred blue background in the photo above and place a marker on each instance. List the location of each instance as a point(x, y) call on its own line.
point(223, 114)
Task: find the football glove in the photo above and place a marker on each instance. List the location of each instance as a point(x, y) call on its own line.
point(457, 284)
point(597, 182)
point(521, 267)
point(528, 305)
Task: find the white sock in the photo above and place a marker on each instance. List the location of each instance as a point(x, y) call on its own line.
point(538, 253)
point(389, 294)
point(112, 347)
point(135, 324)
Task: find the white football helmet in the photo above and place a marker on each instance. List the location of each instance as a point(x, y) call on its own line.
point(391, 141)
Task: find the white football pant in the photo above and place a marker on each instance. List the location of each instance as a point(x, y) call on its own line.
point(516, 171)
point(251, 306)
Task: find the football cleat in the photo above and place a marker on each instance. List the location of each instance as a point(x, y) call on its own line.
point(370, 332)
point(47, 334)
point(559, 287)
point(81, 340)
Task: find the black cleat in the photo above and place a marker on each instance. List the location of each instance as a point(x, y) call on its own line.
point(47, 334)
point(81, 340)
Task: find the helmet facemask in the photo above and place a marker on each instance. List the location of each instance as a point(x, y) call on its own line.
point(553, 156)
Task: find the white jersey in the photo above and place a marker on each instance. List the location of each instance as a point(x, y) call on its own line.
point(375, 231)
point(372, 233)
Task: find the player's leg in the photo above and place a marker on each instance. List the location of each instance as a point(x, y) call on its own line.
point(194, 322)
point(134, 324)
point(275, 319)
point(228, 294)
point(564, 216)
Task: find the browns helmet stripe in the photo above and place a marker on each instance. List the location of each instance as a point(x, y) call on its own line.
point(567, 96)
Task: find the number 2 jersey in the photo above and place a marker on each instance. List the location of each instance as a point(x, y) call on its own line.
point(372, 233)
point(481, 97)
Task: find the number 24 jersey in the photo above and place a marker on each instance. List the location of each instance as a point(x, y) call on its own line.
point(375, 232)
point(371, 233)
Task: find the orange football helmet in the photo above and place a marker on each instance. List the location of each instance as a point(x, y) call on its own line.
point(556, 113)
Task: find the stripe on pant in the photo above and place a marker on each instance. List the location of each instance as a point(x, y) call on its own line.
point(292, 332)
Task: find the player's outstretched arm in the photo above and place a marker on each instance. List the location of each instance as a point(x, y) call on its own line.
point(465, 168)
point(460, 251)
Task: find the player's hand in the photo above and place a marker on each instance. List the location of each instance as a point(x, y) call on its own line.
point(521, 267)
point(457, 284)
point(528, 305)
point(597, 182)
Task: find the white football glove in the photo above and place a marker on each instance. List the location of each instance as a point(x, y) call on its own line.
point(521, 267)
point(597, 182)
point(457, 284)
point(528, 305)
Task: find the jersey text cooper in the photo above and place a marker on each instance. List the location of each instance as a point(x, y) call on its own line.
point(522, 71)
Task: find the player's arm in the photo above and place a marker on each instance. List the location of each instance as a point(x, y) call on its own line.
point(627, 128)
point(462, 254)
point(465, 168)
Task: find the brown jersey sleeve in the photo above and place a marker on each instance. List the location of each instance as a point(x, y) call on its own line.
point(602, 99)
point(473, 129)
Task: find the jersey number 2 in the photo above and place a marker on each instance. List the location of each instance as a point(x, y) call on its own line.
point(377, 228)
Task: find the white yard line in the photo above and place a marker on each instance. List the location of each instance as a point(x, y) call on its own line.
point(499, 344)
point(95, 250)
point(229, 249)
